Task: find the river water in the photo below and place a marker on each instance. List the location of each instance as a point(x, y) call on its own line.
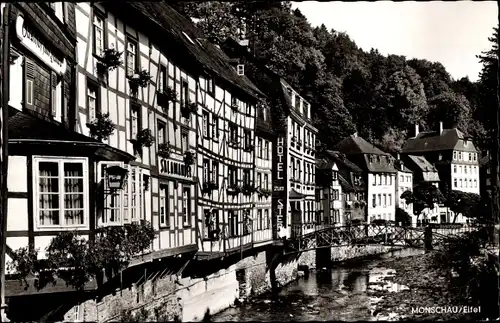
point(340, 294)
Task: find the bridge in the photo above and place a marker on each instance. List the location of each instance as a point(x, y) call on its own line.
point(313, 236)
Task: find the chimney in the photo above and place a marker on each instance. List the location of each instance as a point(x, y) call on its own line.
point(440, 128)
point(355, 135)
point(416, 130)
point(398, 157)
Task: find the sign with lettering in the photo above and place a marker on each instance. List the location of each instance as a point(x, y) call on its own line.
point(35, 45)
point(280, 186)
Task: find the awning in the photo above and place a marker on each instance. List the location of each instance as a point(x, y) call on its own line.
point(294, 195)
point(30, 133)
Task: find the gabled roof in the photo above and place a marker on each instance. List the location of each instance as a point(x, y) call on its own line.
point(357, 145)
point(323, 163)
point(449, 139)
point(401, 167)
point(342, 161)
point(423, 164)
point(346, 186)
point(176, 27)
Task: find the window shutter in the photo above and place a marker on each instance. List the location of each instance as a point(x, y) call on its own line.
point(29, 75)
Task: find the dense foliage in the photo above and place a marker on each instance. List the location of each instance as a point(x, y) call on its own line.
point(350, 89)
point(77, 261)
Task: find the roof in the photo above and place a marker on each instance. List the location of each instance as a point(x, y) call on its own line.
point(346, 186)
point(423, 164)
point(30, 127)
point(357, 145)
point(342, 161)
point(294, 195)
point(449, 139)
point(212, 58)
point(400, 166)
point(323, 163)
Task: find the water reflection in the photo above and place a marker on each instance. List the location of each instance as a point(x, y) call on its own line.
point(339, 293)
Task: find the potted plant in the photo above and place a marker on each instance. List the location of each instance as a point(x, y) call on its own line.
point(144, 138)
point(101, 127)
point(109, 60)
point(138, 79)
point(188, 158)
point(166, 96)
point(164, 149)
point(247, 189)
point(188, 108)
point(209, 186)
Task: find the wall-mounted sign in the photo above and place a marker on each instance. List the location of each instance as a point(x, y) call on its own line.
point(35, 45)
point(279, 186)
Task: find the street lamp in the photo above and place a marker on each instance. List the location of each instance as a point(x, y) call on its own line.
point(116, 176)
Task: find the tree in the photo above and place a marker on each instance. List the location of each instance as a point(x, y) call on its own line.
point(467, 204)
point(424, 195)
point(402, 217)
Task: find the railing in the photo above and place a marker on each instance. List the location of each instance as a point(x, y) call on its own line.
point(305, 237)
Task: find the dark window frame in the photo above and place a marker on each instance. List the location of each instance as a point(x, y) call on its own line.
point(138, 107)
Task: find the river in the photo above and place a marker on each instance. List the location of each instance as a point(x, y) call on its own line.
point(340, 294)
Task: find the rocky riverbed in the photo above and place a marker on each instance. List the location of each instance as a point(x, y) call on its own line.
point(423, 283)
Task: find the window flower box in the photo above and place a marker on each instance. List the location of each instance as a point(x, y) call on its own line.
point(248, 189)
point(188, 108)
point(144, 138)
point(188, 158)
point(233, 189)
point(164, 150)
point(101, 127)
point(138, 79)
point(108, 61)
point(250, 148)
point(167, 96)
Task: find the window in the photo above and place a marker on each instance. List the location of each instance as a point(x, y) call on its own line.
point(136, 188)
point(210, 86)
point(454, 168)
point(164, 216)
point(233, 132)
point(162, 82)
point(460, 182)
point(211, 223)
point(184, 142)
point(465, 183)
point(55, 103)
point(374, 179)
point(240, 69)
point(61, 191)
point(385, 200)
point(266, 150)
point(29, 74)
point(232, 175)
point(131, 58)
point(248, 138)
point(475, 183)
point(58, 10)
point(454, 155)
point(184, 92)
point(259, 180)
point(233, 224)
point(186, 205)
point(266, 181)
point(91, 101)
point(455, 182)
point(385, 179)
point(206, 170)
point(215, 171)
point(160, 136)
point(374, 200)
point(389, 196)
point(460, 155)
point(98, 34)
point(205, 124)
point(134, 120)
point(215, 127)
point(465, 169)
point(379, 199)
point(259, 147)
point(260, 223)
point(246, 176)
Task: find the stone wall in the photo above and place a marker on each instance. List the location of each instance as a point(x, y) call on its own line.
point(351, 252)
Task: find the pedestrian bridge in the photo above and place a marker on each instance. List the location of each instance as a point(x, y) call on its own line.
point(311, 236)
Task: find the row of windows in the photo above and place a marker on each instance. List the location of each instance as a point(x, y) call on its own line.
point(464, 183)
point(302, 106)
point(297, 134)
point(382, 179)
point(238, 221)
point(464, 156)
point(263, 150)
point(465, 169)
point(385, 198)
point(161, 136)
point(405, 178)
point(296, 171)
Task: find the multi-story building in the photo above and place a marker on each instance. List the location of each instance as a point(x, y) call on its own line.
point(161, 134)
point(485, 174)
point(329, 208)
point(354, 206)
point(379, 174)
point(404, 182)
point(454, 156)
point(234, 162)
point(293, 148)
point(423, 171)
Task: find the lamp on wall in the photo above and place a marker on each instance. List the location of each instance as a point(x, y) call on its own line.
point(116, 176)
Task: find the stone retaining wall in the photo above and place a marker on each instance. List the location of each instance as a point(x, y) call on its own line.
point(173, 297)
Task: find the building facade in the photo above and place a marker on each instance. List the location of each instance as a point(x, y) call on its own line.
point(161, 186)
point(379, 174)
point(404, 182)
point(329, 208)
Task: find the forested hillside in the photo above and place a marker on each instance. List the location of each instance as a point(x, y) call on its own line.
point(380, 97)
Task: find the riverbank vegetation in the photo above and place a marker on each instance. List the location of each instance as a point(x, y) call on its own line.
point(460, 274)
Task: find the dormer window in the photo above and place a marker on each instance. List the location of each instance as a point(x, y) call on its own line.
point(466, 142)
point(440, 157)
point(290, 92)
point(240, 69)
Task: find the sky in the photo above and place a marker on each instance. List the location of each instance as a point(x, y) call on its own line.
point(452, 33)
